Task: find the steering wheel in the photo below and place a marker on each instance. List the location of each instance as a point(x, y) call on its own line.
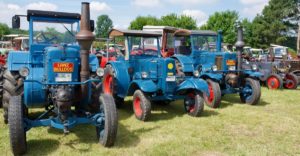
point(42, 38)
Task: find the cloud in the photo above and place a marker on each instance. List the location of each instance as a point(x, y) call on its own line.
point(253, 7)
point(42, 6)
point(99, 6)
point(192, 2)
point(147, 3)
point(199, 15)
point(13, 7)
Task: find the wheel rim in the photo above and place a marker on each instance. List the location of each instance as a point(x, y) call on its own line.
point(108, 84)
point(247, 91)
point(273, 83)
point(289, 82)
point(137, 106)
point(211, 96)
point(190, 107)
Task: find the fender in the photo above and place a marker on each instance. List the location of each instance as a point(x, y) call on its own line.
point(253, 74)
point(194, 83)
point(147, 86)
point(213, 76)
point(186, 62)
point(122, 77)
point(20, 59)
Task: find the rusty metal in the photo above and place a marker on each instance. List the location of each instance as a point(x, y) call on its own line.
point(85, 38)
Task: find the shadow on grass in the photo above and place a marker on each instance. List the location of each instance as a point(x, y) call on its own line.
point(229, 100)
point(42, 146)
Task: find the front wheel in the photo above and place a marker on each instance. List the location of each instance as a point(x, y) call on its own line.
point(141, 105)
point(214, 98)
point(107, 130)
point(274, 81)
point(251, 92)
point(194, 104)
point(17, 132)
point(291, 81)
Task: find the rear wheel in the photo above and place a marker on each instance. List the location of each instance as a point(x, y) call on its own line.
point(141, 105)
point(194, 104)
point(250, 92)
point(12, 86)
point(17, 131)
point(1, 84)
point(214, 98)
point(274, 81)
point(108, 126)
point(291, 81)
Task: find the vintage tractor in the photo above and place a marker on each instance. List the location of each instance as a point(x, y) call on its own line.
point(57, 77)
point(149, 77)
point(222, 70)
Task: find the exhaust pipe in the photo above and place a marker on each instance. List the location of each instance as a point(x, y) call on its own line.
point(85, 39)
point(239, 47)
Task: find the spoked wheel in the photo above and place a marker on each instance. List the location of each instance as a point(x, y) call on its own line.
point(291, 81)
point(214, 98)
point(108, 122)
point(250, 92)
point(141, 105)
point(194, 104)
point(12, 86)
point(274, 81)
point(17, 130)
point(110, 86)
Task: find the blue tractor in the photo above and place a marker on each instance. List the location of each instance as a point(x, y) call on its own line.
point(144, 74)
point(222, 70)
point(57, 74)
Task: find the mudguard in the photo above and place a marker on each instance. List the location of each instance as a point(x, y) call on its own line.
point(186, 62)
point(253, 74)
point(194, 83)
point(17, 60)
point(213, 76)
point(122, 77)
point(147, 86)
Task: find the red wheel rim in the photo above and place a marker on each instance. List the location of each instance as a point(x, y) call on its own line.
point(273, 83)
point(191, 108)
point(137, 106)
point(211, 96)
point(289, 82)
point(108, 84)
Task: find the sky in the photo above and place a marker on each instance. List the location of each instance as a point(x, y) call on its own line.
point(122, 12)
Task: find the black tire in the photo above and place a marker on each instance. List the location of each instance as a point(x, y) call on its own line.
point(194, 104)
point(109, 85)
point(253, 97)
point(12, 86)
point(17, 131)
point(109, 133)
point(291, 81)
point(141, 106)
point(297, 73)
point(214, 100)
point(1, 85)
point(274, 81)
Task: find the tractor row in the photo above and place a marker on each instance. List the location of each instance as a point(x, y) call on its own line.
point(78, 86)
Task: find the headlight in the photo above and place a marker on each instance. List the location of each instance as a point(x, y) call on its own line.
point(214, 68)
point(100, 72)
point(24, 71)
point(254, 67)
point(231, 68)
point(144, 75)
point(196, 73)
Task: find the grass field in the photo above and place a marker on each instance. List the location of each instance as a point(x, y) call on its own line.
point(270, 128)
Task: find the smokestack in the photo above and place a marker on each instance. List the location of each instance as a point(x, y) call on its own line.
point(85, 38)
point(239, 46)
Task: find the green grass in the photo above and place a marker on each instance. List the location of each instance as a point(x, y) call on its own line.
point(270, 128)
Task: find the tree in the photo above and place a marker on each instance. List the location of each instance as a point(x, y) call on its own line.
point(141, 21)
point(4, 29)
point(277, 22)
point(181, 21)
point(104, 24)
point(224, 21)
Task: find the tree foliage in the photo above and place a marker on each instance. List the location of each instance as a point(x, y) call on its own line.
point(4, 29)
point(103, 25)
point(224, 21)
point(181, 21)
